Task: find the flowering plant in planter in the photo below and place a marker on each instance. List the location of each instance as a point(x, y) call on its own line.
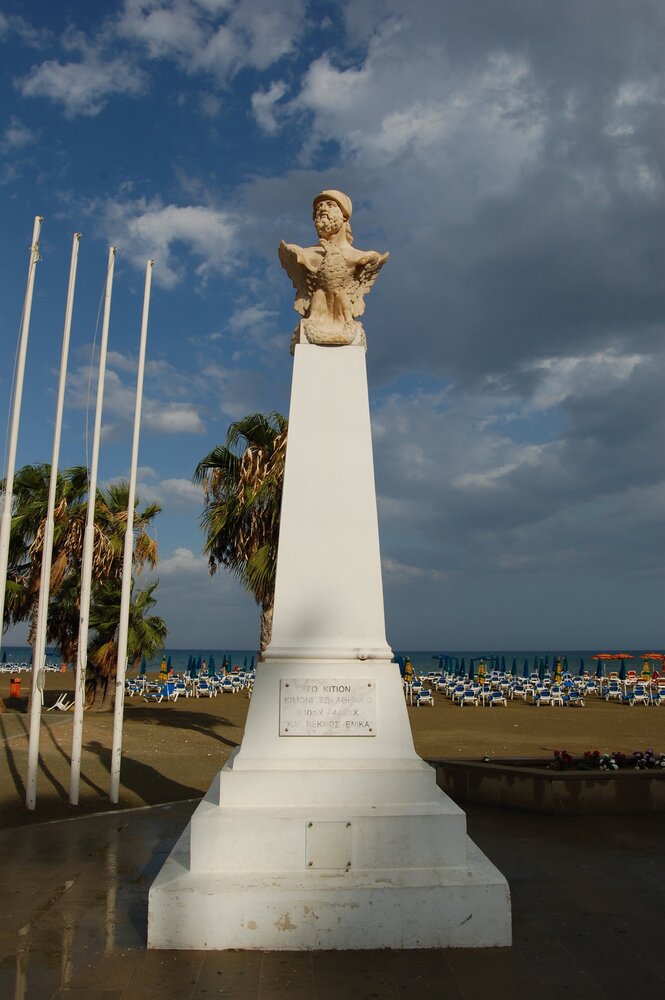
point(594, 760)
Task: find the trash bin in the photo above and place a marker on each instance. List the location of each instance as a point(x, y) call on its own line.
point(15, 687)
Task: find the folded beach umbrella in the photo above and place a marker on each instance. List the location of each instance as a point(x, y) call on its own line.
point(211, 665)
point(503, 663)
point(169, 666)
point(525, 671)
point(244, 664)
point(601, 657)
point(471, 669)
point(513, 669)
point(462, 667)
point(252, 662)
point(144, 666)
point(581, 666)
point(622, 671)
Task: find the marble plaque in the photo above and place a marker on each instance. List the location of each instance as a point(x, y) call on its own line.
point(327, 706)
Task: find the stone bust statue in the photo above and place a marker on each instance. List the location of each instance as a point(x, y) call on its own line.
point(332, 278)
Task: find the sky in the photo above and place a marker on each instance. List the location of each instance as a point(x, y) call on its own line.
point(509, 155)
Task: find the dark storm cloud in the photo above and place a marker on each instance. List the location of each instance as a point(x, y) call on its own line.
point(494, 265)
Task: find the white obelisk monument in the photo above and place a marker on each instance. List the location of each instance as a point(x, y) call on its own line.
point(326, 830)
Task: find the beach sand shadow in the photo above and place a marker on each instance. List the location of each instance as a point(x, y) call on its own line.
point(11, 760)
point(145, 781)
point(204, 723)
point(68, 760)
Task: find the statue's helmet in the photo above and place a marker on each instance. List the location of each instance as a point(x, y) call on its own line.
point(339, 198)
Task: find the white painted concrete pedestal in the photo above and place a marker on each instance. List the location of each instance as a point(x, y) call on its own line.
point(326, 830)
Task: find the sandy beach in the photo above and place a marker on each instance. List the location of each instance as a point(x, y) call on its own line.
point(172, 751)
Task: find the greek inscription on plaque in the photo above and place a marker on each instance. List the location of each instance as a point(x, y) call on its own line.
point(327, 707)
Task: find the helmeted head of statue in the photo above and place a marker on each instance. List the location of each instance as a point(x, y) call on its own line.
point(331, 212)
point(339, 198)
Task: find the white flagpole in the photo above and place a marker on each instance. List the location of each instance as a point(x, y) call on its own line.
point(88, 546)
point(121, 667)
point(47, 550)
point(6, 524)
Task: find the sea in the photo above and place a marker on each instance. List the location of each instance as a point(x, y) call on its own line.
point(423, 661)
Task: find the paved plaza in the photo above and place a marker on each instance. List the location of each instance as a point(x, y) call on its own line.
point(588, 910)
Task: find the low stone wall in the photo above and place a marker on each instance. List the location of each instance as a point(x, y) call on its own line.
point(519, 783)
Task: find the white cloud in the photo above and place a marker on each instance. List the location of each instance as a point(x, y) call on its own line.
point(158, 416)
point(164, 29)
point(404, 572)
point(331, 92)
point(527, 455)
point(172, 418)
point(420, 124)
point(210, 105)
point(569, 375)
point(200, 36)
point(83, 88)
point(183, 561)
point(121, 362)
point(17, 135)
point(33, 37)
point(218, 38)
point(264, 106)
point(271, 29)
point(250, 318)
point(143, 230)
point(406, 97)
point(182, 491)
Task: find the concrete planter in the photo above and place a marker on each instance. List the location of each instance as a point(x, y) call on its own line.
point(521, 783)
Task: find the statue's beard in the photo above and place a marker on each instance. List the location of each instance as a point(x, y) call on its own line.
point(326, 225)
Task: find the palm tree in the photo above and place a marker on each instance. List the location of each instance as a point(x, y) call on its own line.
point(242, 487)
point(31, 486)
point(145, 635)
point(30, 498)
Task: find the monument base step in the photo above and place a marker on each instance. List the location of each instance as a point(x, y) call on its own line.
point(396, 908)
point(465, 907)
